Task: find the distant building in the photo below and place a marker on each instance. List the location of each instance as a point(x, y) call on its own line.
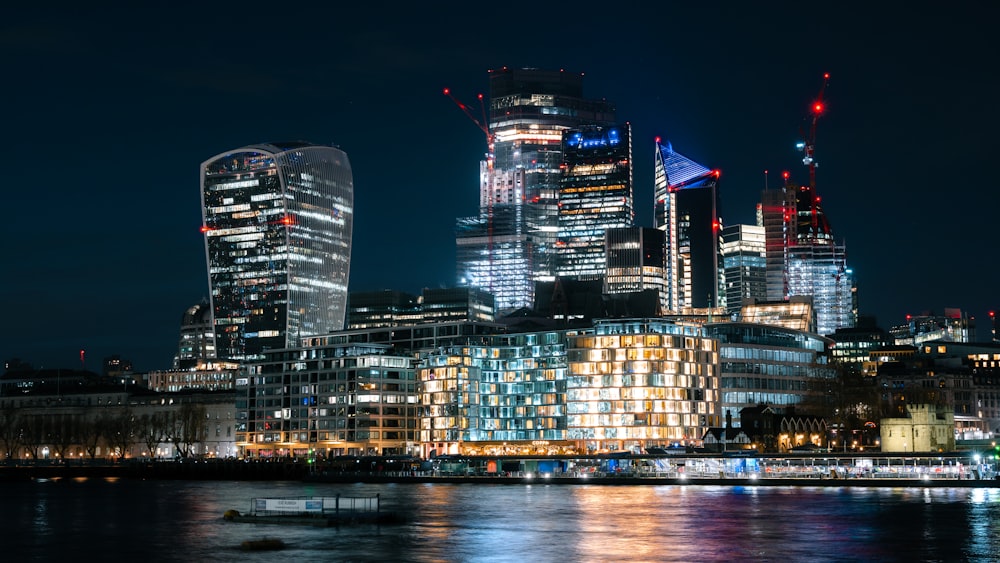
point(595, 194)
point(686, 208)
point(206, 375)
point(925, 428)
point(387, 308)
point(327, 398)
point(745, 265)
point(115, 366)
point(803, 259)
point(636, 262)
point(278, 220)
point(762, 364)
point(511, 243)
point(853, 346)
point(953, 326)
point(197, 340)
point(796, 313)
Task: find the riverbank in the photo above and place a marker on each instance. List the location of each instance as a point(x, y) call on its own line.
point(295, 471)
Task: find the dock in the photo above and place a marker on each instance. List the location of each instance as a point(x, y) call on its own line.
point(315, 511)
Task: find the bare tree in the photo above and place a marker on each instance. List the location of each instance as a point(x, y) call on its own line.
point(93, 430)
point(10, 431)
point(187, 428)
point(65, 431)
point(119, 431)
point(152, 430)
point(36, 434)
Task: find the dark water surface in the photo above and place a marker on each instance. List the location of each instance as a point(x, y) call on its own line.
point(128, 520)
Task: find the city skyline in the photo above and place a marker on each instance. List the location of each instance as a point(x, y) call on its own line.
point(112, 113)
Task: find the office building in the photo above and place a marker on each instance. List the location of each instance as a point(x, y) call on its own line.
point(595, 195)
point(327, 398)
point(954, 325)
point(278, 220)
point(771, 365)
point(744, 260)
point(387, 308)
point(197, 340)
point(686, 208)
point(510, 243)
point(803, 259)
point(636, 262)
point(796, 313)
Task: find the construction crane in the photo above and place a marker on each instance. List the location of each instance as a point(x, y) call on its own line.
point(809, 147)
point(488, 180)
point(483, 125)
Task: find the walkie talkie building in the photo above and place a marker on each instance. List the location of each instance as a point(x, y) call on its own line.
point(277, 220)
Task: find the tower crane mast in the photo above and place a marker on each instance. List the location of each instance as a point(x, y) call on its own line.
point(809, 146)
point(809, 149)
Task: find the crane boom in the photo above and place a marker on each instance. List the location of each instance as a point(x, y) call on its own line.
point(817, 109)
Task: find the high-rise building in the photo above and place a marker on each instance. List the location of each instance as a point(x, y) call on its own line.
point(278, 220)
point(197, 341)
point(595, 195)
point(744, 262)
point(686, 208)
point(803, 259)
point(511, 243)
point(636, 262)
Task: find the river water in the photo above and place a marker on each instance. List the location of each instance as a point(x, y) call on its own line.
point(131, 520)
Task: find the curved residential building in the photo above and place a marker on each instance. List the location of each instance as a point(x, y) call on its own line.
point(771, 365)
point(278, 219)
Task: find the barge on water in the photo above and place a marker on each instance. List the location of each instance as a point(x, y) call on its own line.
point(315, 511)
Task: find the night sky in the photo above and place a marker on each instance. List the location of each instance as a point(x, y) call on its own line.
point(109, 113)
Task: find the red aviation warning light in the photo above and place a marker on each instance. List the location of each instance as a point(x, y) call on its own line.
point(205, 228)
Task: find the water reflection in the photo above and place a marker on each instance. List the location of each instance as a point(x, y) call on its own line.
point(182, 521)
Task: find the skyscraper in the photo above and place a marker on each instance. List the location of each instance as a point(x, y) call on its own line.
point(511, 243)
point(743, 258)
point(803, 259)
point(686, 208)
point(595, 194)
point(635, 258)
point(278, 220)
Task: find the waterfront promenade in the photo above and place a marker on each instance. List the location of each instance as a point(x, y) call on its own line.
point(962, 469)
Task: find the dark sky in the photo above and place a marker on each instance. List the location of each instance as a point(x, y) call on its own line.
point(109, 113)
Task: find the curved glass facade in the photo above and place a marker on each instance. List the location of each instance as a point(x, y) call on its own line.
point(638, 383)
point(763, 364)
point(278, 220)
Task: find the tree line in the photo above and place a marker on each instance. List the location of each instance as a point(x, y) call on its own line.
point(117, 430)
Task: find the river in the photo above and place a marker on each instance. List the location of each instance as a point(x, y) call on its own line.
point(134, 520)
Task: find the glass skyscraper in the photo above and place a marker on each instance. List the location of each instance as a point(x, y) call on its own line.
point(686, 208)
point(803, 259)
point(511, 243)
point(278, 220)
point(744, 261)
point(595, 195)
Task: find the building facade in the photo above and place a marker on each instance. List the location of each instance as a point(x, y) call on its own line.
point(595, 194)
point(388, 308)
point(511, 242)
point(278, 220)
point(770, 365)
point(327, 398)
point(636, 262)
point(803, 259)
point(744, 262)
point(686, 208)
point(638, 383)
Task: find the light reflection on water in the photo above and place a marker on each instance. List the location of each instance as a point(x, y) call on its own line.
point(182, 521)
